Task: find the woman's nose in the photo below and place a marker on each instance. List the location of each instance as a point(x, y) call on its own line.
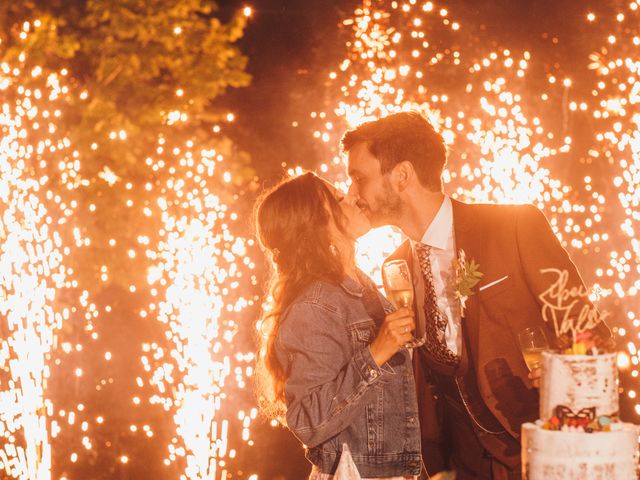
point(350, 199)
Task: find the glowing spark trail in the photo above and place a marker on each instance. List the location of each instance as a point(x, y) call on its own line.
point(203, 266)
point(31, 274)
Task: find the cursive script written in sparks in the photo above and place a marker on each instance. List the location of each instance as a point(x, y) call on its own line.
point(568, 308)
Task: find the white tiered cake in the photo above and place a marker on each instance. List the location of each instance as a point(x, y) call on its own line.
point(579, 436)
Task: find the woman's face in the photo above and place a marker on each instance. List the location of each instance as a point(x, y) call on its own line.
point(356, 222)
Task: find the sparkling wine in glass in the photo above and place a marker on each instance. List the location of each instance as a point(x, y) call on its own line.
point(398, 286)
point(532, 343)
point(401, 297)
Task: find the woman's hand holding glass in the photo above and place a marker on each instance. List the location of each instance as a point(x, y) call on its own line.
point(398, 287)
point(394, 334)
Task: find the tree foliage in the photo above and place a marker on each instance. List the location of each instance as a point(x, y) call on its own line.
point(139, 71)
point(142, 63)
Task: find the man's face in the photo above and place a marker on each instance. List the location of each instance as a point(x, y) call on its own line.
point(373, 190)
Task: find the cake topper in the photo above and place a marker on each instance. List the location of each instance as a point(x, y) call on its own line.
point(568, 309)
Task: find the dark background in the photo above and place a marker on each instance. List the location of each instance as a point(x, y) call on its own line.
point(293, 44)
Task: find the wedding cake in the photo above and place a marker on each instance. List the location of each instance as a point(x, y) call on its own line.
point(579, 435)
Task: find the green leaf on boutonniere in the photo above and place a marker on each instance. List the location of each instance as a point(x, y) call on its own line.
point(468, 275)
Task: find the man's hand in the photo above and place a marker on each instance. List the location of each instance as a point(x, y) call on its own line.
point(534, 376)
point(394, 333)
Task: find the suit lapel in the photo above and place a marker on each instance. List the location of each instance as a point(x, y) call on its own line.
point(403, 252)
point(469, 240)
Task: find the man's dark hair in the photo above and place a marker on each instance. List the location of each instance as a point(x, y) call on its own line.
point(404, 136)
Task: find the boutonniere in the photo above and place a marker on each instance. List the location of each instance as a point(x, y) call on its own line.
point(468, 275)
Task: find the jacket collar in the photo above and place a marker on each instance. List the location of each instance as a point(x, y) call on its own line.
point(351, 286)
point(463, 217)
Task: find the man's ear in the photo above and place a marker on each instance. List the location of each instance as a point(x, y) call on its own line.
point(402, 175)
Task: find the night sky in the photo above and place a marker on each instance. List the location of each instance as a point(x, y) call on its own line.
point(293, 44)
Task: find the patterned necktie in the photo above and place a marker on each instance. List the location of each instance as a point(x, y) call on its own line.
point(436, 321)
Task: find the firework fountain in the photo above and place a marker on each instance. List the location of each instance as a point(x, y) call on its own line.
point(32, 268)
point(58, 379)
point(201, 263)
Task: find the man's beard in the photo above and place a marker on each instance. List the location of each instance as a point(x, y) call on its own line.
point(387, 208)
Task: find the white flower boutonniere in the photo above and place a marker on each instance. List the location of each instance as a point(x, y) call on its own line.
point(468, 275)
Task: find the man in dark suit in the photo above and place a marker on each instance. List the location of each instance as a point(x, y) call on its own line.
point(474, 388)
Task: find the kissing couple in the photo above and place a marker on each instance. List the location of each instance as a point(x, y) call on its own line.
point(333, 366)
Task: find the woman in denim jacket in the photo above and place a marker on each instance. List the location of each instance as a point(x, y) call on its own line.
point(331, 365)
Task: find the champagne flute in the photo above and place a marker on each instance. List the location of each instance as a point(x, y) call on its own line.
point(398, 286)
point(532, 343)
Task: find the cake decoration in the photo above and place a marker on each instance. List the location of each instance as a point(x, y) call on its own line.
point(583, 421)
point(571, 313)
point(579, 434)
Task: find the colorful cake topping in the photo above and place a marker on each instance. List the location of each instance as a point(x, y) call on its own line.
point(585, 420)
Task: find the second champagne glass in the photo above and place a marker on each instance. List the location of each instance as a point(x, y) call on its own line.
point(398, 286)
point(532, 343)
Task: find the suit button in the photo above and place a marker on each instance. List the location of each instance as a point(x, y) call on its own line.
point(412, 419)
point(373, 372)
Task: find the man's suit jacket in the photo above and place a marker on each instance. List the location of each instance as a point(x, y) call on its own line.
point(516, 242)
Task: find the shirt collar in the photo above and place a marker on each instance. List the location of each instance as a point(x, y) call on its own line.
point(439, 231)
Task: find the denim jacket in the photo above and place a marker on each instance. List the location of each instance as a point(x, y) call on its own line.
point(335, 392)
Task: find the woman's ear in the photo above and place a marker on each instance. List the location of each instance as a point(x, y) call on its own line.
point(402, 175)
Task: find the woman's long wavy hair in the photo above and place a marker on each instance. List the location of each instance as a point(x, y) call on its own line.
point(293, 223)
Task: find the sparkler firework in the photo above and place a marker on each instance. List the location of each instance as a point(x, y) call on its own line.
point(201, 269)
point(32, 269)
point(197, 370)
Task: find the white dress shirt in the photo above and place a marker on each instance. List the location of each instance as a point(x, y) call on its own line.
point(440, 237)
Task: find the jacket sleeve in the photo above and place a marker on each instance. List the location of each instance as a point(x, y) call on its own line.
point(325, 386)
point(543, 260)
